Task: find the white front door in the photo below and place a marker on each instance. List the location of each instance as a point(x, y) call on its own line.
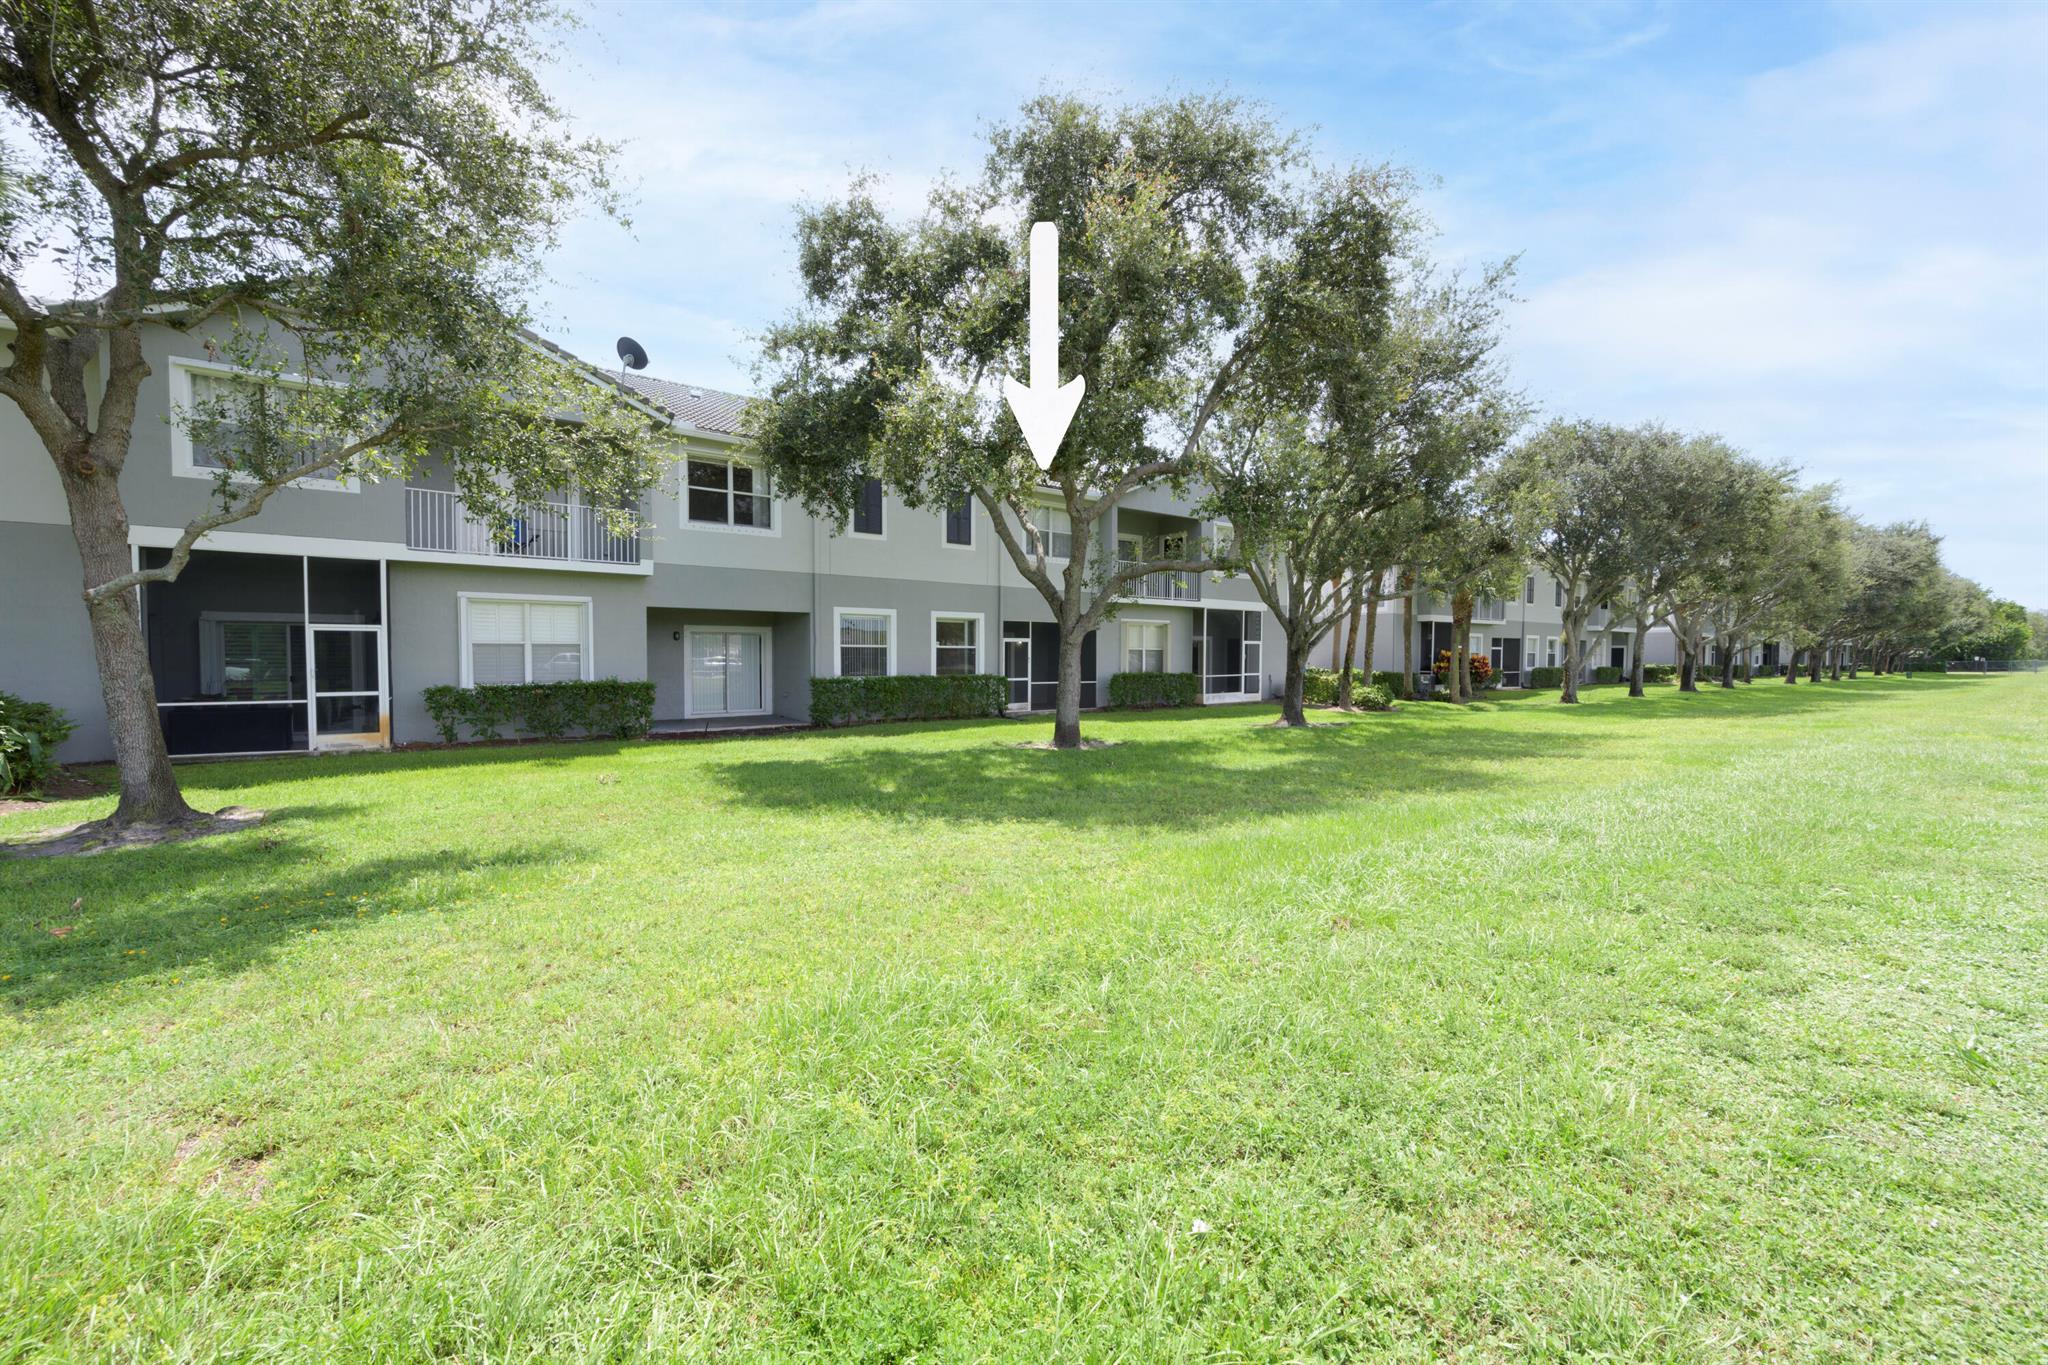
point(727, 671)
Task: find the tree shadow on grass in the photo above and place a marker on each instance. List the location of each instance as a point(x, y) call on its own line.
point(1159, 779)
point(216, 907)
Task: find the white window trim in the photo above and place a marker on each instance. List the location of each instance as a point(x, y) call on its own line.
point(1214, 540)
point(1045, 533)
point(839, 613)
point(186, 467)
point(973, 536)
point(1534, 646)
point(882, 534)
point(1164, 649)
point(463, 599)
point(1551, 656)
point(767, 634)
point(980, 635)
point(774, 526)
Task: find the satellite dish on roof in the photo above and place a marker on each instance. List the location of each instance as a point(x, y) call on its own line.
point(632, 354)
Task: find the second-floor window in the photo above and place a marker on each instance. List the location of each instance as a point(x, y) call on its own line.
point(1529, 590)
point(960, 522)
point(1557, 594)
point(867, 511)
point(231, 421)
point(728, 493)
point(1055, 532)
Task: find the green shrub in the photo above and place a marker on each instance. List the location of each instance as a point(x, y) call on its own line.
point(30, 732)
point(910, 696)
point(1540, 678)
point(1372, 697)
point(1154, 689)
point(1319, 688)
point(1394, 681)
point(1659, 673)
point(1608, 674)
point(612, 707)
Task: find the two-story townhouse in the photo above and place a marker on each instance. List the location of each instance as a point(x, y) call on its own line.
point(317, 623)
point(1514, 633)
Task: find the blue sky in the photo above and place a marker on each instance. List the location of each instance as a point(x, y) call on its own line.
point(1820, 230)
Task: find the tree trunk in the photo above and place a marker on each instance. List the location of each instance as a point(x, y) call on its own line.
point(1792, 669)
point(1291, 713)
point(1372, 631)
point(1407, 632)
point(1344, 680)
point(1340, 646)
point(1813, 663)
point(1748, 664)
point(1066, 716)
point(1688, 660)
point(1461, 648)
point(1727, 666)
point(1569, 693)
point(149, 785)
point(1635, 662)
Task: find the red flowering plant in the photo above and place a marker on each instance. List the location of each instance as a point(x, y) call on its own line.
point(1481, 668)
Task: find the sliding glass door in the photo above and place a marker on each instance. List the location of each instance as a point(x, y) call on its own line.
point(727, 672)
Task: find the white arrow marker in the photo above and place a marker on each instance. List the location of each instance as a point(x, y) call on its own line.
point(1046, 408)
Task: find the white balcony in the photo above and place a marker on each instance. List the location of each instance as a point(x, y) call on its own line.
point(562, 530)
point(1162, 587)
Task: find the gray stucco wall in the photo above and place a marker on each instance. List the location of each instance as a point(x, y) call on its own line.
point(788, 658)
point(424, 629)
point(45, 643)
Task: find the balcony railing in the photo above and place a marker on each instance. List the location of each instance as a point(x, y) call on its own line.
point(1485, 610)
point(1163, 587)
point(552, 530)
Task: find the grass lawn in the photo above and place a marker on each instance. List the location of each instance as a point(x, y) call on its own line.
point(1700, 1027)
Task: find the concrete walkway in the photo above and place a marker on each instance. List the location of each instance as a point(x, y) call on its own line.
point(724, 725)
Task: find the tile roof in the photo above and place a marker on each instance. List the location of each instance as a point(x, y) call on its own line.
point(712, 410)
point(705, 409)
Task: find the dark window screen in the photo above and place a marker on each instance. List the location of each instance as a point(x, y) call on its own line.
point(867, 514)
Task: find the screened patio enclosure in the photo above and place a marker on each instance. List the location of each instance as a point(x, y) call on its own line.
point(1229, 654)
point(267, 653)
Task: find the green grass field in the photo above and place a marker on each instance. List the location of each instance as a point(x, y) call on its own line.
point(1698, 1027)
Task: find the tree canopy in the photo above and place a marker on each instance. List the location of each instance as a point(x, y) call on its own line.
point(1204, 263)
point(354, 198)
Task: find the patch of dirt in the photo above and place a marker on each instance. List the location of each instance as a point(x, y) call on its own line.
point(1050, 747)
point(246, 1176)
point(65, 786)
point(94, 836)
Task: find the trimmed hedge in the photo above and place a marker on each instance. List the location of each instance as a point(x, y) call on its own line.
point(1540, 678)
point(612, 707)
point(1154, 689)
point(911, 696)
point(1659, 673)
point(1608, 674)
point(1393, 681)
point(30, 732)
point(1319, 688)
